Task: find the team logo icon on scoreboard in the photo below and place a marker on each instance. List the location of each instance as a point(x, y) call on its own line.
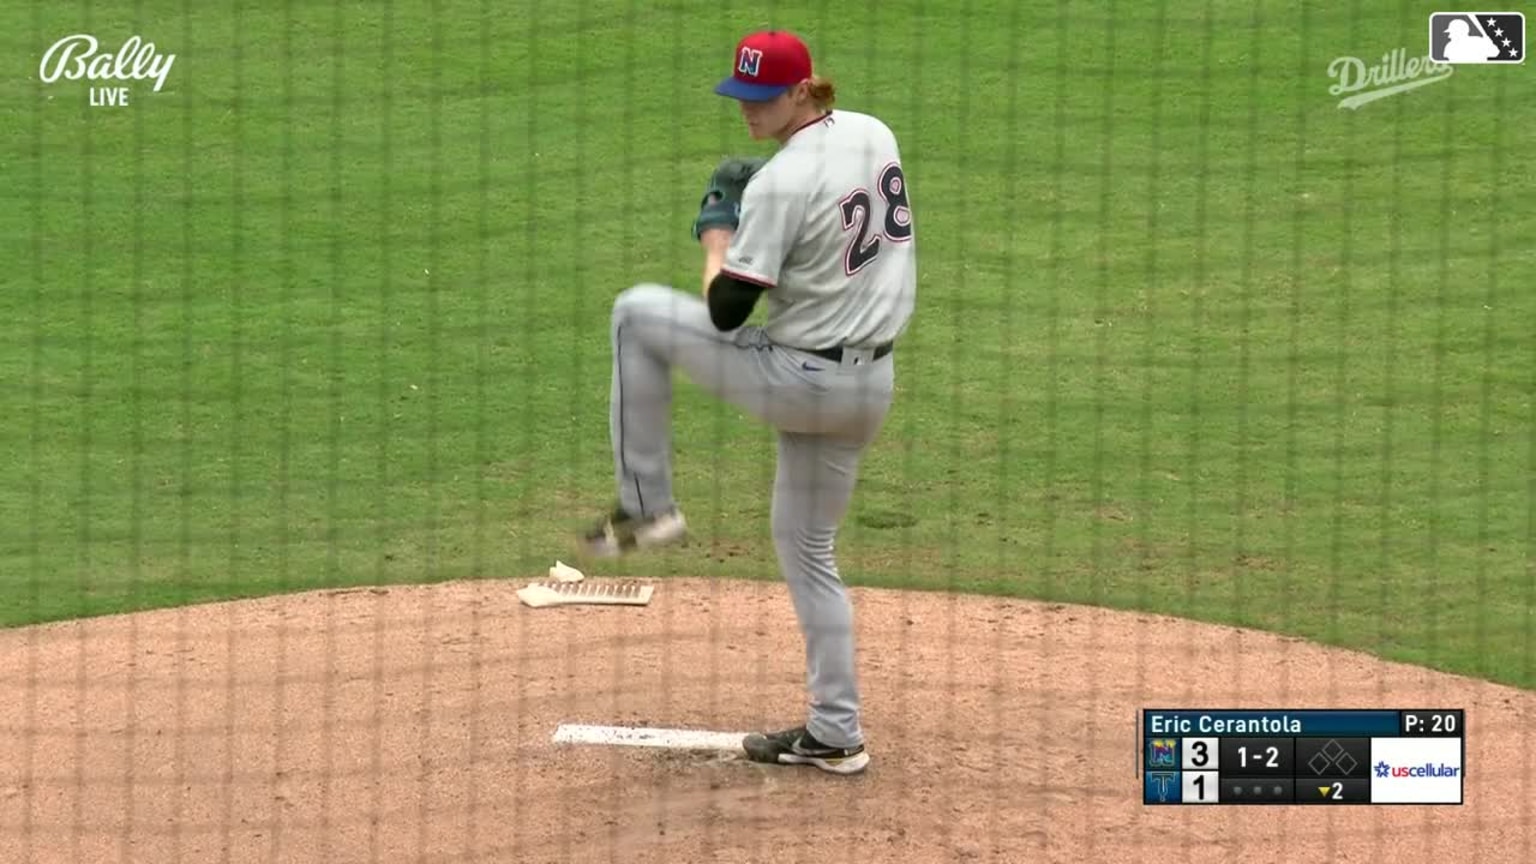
point(1162, 753)
point(1161, 787)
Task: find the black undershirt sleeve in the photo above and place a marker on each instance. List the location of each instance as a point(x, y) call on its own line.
point(731, 301)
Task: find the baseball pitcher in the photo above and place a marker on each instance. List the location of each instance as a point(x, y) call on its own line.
point(822, 234)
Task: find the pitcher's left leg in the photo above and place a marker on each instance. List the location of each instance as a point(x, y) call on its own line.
point(654, 330)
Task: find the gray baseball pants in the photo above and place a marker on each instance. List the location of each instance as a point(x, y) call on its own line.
point(825, 413)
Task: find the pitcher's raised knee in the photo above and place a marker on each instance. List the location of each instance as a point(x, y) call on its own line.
point(637, 299)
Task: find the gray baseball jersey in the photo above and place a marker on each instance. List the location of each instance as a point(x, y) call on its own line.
point(827, 227)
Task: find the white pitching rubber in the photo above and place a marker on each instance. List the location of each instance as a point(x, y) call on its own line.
point(629, 736)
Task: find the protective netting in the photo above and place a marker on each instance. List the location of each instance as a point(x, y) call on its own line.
point(1218, 394)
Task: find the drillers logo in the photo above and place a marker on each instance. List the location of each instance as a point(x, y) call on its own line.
point(1396, 73)
point(76, 57)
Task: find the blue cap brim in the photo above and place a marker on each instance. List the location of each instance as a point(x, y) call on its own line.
point(749, 92)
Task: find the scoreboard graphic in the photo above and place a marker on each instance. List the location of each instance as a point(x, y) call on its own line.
point(1353, 756)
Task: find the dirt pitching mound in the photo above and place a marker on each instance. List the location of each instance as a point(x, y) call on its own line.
point(415, 724)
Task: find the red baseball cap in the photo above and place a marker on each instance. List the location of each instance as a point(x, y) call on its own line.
point(767, 63)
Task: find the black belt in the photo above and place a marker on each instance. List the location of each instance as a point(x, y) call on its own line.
point(835, 355)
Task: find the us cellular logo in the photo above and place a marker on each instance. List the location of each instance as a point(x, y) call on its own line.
point(1428, 769)
point(79, 56)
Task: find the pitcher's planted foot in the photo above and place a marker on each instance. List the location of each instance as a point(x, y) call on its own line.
point(797, 747)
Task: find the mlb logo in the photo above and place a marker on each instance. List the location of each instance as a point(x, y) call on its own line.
point(1477, 37)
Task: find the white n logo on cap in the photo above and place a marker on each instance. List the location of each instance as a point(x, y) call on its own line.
point(750, 58)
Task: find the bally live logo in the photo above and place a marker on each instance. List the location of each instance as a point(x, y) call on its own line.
point(80, 56)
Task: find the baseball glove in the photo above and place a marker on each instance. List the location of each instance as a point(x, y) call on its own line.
point(721, 204)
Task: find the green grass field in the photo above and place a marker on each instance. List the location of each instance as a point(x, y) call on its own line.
point(331, 308)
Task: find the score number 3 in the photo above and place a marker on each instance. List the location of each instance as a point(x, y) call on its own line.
point(855, 209)
point(1200, 763)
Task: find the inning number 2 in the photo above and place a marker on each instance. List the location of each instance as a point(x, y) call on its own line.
point(865, 244)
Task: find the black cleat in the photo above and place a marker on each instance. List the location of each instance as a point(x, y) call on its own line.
point(618, 533)
point(797, 747)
